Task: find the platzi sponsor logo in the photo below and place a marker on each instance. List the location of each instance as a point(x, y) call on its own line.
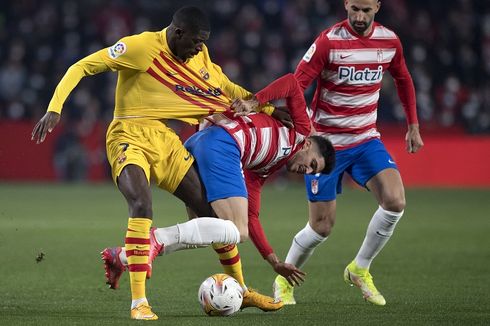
point(197, 91)
point(364, 75)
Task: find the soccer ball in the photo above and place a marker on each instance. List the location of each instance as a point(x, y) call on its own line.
point(220, 295)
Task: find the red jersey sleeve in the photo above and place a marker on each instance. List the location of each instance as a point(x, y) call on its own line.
point(287, 87)
point(313, 62)
point(404, 84)
point(256, 232)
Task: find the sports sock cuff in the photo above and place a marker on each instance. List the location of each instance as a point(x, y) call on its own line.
point(308, 238)
point(313, 234)
point(139, 224)
point(393, 216)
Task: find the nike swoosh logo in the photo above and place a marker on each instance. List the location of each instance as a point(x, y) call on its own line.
point(171, 73)
point(391, 162)
point(381, 235)
point(345, 56)
point(187, 157)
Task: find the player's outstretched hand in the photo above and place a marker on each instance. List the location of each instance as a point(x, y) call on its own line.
point(244, 107)
point(291, 273)
point(282, 114)
point(413, 139)
point(45, 125)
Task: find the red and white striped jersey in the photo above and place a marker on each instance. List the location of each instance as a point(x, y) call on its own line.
point(349, 69)
point(265, 143)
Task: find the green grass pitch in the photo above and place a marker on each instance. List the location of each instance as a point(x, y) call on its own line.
point(434, 271)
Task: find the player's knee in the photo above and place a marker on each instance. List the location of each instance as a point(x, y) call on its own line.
point(394, 203)
point(324, 229)
point(323, 224)
point(243, 234)
point(242, 230)
point(140, 207)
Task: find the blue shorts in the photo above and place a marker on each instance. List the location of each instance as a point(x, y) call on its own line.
point(218, 162)
point(361, 162)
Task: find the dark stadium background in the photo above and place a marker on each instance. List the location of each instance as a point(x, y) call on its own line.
point(446, 44)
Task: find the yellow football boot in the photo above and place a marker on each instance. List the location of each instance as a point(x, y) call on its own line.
point(361, 278)
point(143, 312)
point(283, 291)
point(252, 298)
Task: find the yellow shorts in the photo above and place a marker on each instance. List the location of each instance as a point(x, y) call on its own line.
point(151, 145)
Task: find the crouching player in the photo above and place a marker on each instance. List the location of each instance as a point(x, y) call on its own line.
point(234, 156)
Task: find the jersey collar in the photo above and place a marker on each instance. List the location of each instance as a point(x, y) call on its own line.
point(345, 23)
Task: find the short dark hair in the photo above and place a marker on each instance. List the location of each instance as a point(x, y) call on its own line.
point(327, 151)
point(191, 18)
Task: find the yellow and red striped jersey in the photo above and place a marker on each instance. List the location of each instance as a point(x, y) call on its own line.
point(152, 83)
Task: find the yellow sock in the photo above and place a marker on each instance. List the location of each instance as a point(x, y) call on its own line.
point(137, 250)
point(230, 260)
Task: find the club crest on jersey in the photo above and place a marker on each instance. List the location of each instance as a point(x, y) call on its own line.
point(309, 54)
point(204, 73)
point(314, 186)
point(364, 75)
point(117, 50)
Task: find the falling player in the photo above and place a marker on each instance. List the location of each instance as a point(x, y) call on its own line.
point(162, 75)
point(255, 146)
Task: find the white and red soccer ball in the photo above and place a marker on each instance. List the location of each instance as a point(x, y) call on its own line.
point(220, 295)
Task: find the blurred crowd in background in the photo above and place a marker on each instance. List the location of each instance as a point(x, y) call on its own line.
point(446, 44)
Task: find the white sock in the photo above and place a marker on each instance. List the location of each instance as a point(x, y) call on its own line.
point(180, 246)
point(303, 246)
point(208, 230)
point(136, 302)
point(197, 233)
point(378, 233)
point(168, 236)
point(200, 231)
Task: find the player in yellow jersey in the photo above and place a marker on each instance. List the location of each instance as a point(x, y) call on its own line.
point(161, 75)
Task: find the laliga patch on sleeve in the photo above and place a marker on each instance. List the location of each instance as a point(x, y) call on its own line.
point(309, 54)
point(117, 50)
